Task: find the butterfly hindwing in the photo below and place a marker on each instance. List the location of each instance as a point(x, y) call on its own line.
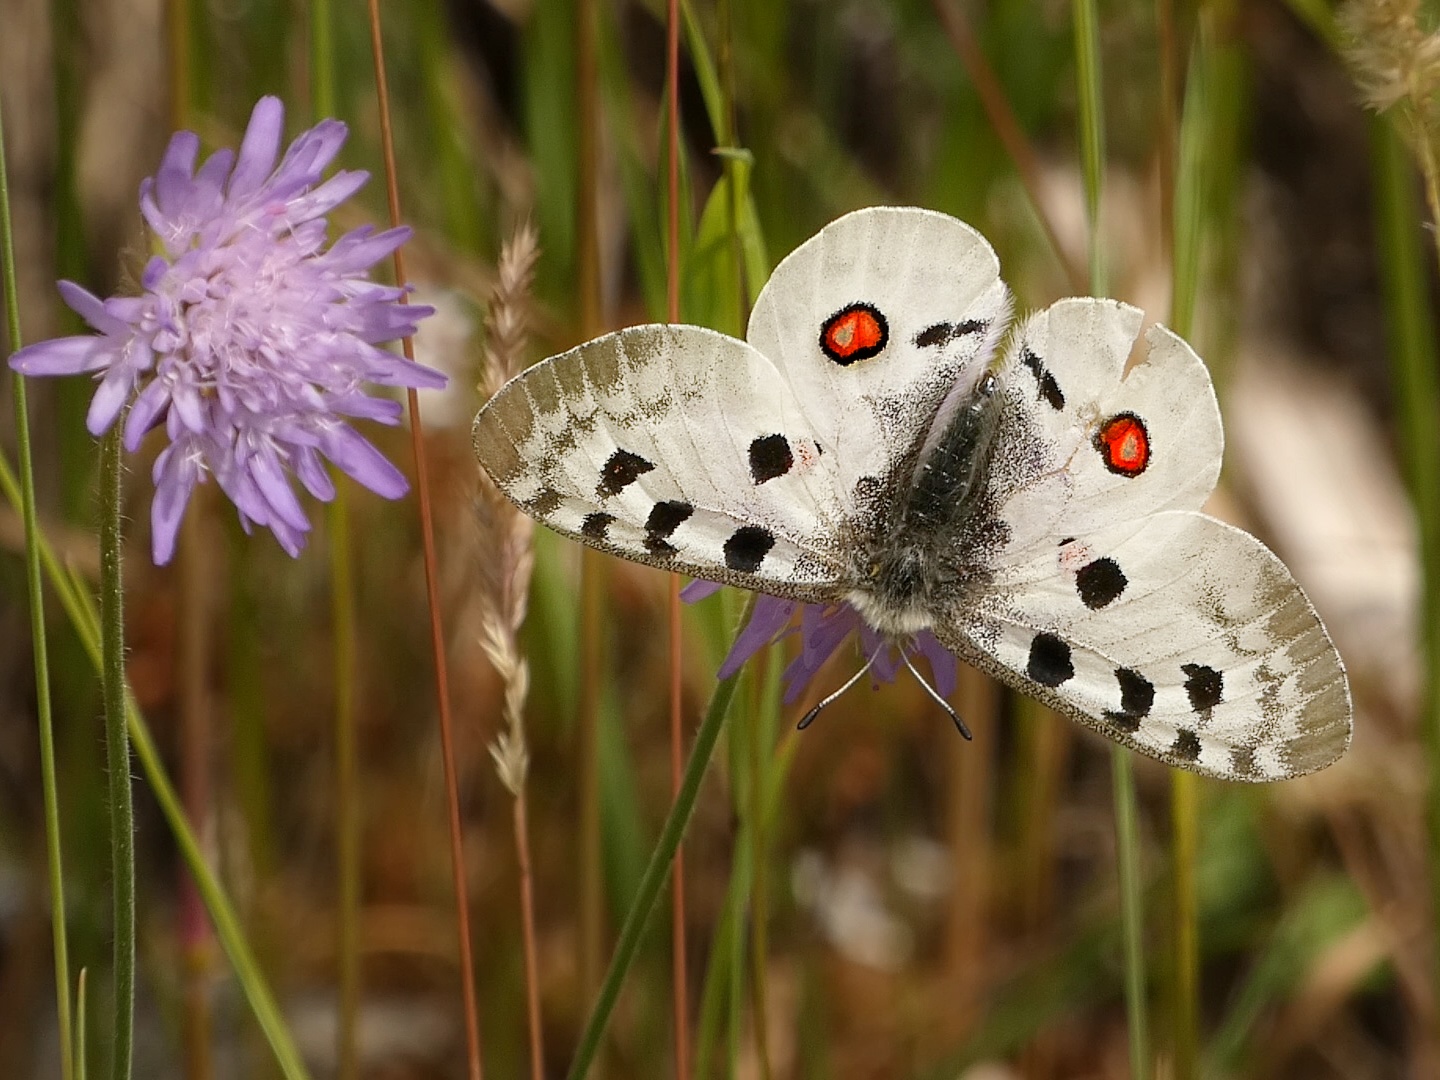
point(1185, 639)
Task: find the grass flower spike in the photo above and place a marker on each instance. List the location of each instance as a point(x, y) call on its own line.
point(251, 339)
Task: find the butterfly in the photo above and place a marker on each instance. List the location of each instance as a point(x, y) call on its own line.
point(883, 438)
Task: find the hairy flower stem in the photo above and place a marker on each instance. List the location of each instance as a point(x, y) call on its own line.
point(117, 753)
point(36, 598)
point(657, 869)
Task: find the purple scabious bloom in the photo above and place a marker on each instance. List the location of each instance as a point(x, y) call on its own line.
point(251, 338)
point(823, 629)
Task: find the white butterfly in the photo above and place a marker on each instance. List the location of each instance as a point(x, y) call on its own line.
point(1039, 513)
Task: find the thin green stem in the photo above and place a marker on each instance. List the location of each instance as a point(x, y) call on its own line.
point(1092, 127)
point(657, 870)
point(1127, 845)
point(79, 606)
point(1410, 330)
point(81, 990)
point(1132, 909)
point(117, 752)
point(1185, 787)
point(36, 596)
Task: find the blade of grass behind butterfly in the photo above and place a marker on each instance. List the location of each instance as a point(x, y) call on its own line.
point(1411, 342)
point(1127, 842)
point(1328, 910)
point(549, 92)
point(1188, 201)
point(656, 871)
point(39, 639)
point(758, 821)
point(461, 184)
point(638, 188)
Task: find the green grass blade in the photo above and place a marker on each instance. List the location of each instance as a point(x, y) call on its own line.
point(1410, 334)
point(655, 874)
point(36, 599)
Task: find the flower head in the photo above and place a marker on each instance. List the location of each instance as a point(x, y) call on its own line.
point(823, 629)
point(251, 339)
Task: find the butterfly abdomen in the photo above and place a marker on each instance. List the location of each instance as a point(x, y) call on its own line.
point(934, 535)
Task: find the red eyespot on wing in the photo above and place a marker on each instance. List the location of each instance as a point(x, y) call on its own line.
point(1124, 444)
point(853, 333)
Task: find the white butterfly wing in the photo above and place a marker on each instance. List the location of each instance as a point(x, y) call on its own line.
point(747, 463)
point(1112, 600)
point(674, 446)
point(931, 282)
point(1184, 638)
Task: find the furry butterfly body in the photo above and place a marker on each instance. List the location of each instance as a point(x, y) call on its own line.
point(1039, 513)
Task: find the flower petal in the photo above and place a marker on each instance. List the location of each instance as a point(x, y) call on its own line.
point(360, 461)
point(109, 399)
point(699, 589)
point(175, 473)
point(259, 148)
point(269, 477)
point(943, 665)
point(770, 616)
point(172, 179)
point(91, 308)
point(145, 413)
point(63, 356)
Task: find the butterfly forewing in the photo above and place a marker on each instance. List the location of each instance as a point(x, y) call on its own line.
point(872, 323)
point(674, 446)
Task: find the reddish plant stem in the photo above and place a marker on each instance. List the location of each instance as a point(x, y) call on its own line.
point(680, 978)
point(527, 915)
point(1007, 127)
point(432, 589)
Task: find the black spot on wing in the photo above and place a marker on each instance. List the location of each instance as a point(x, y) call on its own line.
point(1137, 697)
point(595, 524)
point(621, 470)
point(1050, 663)
point(1205, 687)
point(746, 548)
point(770, 456)
point(665, 517)
point(1186, 746)
point(943, 333)
point(1050, 391)
point(1099, 583)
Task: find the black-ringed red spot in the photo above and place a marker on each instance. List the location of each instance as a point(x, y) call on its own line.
point(1124, 444)
point(856, 332)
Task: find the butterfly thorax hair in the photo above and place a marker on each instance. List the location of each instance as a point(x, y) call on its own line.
point(926, 548)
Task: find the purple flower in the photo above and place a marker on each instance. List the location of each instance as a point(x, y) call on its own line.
point(251, 339)
point(823, 629)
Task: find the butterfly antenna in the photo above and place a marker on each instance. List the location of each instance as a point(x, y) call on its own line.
point(809, 717)
point(935, 694)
